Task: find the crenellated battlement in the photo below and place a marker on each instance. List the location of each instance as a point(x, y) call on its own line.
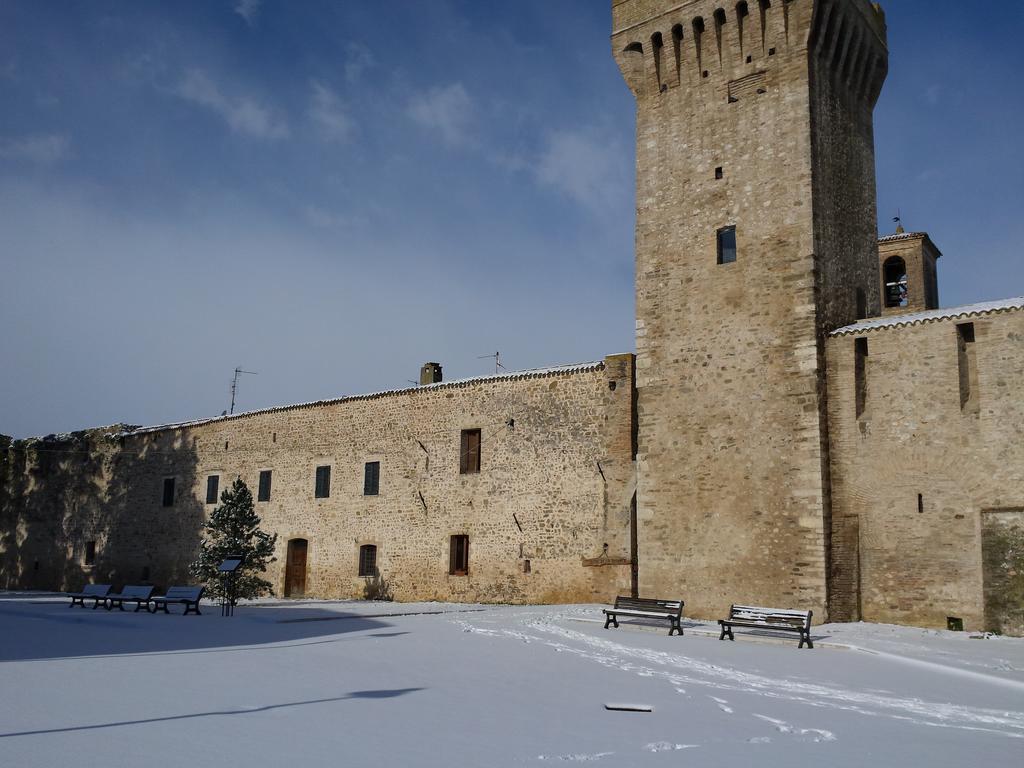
point(660, 45)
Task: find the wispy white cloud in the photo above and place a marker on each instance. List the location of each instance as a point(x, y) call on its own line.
point(328, 114)
point(242, 113)
point(446, 109)
point(358, 59)
point(43, 149)
point(585, 166)
point(248, 10)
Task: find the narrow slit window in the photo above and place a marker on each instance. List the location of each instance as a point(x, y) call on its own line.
point(368, 560)
point(967, 364)
point(212, 486)
point(263, 494)
point(727, 245)
point(458, 560)
point(860, 374)
point(323, 482)
point(469, 453)
point(371, 478)
point(168, 494)
point(90, 553)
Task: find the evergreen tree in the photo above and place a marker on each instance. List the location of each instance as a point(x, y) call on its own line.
point(234, 529)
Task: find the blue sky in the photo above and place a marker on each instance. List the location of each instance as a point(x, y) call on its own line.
point(331, 193)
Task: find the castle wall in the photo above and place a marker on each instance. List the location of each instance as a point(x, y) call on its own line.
point(732, 466)
point(919, 562)
point(554, 487)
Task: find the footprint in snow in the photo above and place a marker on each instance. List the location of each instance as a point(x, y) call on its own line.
point(668, 746)
point(722, 704)
point(577, 758)
point(815, 735)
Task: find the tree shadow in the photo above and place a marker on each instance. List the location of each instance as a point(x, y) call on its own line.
point(87, 507)
point(52, 630)
point(381, 694)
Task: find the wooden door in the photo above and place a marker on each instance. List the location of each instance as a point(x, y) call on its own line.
point(295, 569)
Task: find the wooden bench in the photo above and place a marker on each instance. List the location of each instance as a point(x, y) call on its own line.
point(187, 596)
point(141, 595)
point(646, 608)
point(97, 592)
point(781, 619)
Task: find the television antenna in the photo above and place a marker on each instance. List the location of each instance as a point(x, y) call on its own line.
point(234, 385)
point(498, 367)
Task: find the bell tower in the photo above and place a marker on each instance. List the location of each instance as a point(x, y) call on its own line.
point(756, 235)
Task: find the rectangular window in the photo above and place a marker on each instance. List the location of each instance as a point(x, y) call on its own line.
point(368, 560)
point(371, 478)
point(469, 453)
point(264, 490)
point(168, 497)
point(212, 486)
point(967, 363)
point(90, 552)
point(323, 482)
point(458, 559)
point(860, 374)
point(727, 245)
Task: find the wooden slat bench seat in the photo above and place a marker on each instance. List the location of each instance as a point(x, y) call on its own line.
point(781, 619)
point(187, 596)
point(138, 594)
point(96, 592)
point(646, 608)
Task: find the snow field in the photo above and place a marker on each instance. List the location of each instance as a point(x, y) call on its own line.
point(338, 683)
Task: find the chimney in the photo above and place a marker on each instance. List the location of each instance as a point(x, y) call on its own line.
point(430, 373)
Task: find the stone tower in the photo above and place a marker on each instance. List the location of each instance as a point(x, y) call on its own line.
point(756, 235)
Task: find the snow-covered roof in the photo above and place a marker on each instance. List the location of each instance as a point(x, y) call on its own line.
point(933, 315)
point(902, 236)
point(532, 373)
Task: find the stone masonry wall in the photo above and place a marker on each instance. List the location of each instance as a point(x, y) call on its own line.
point(916, 475)
point(555, 487)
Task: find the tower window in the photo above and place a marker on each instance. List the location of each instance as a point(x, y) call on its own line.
point(469, 453)
point(264, 489)
point(371, 478)
point(212, 486)
point(727, 245)
point(368, 560)
point(719, 173)
point(894, 272)
point(323, 483)
point(458, 558)
point(90, 553)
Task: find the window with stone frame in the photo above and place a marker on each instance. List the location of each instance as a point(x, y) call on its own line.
point(469, 452)
point(371, 478)
point(212, 487)
point(368, 560)
point(323, 482)
point(167, 499)
point(727, 245)
point(458, 556)
point(263, 492)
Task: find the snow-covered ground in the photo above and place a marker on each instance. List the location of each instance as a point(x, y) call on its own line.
point(341, 683)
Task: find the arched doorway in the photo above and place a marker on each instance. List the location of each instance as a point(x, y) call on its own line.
point(295, 568)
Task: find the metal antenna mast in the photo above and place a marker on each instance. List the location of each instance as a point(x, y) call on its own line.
point(498, 367)
point(234, 385)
